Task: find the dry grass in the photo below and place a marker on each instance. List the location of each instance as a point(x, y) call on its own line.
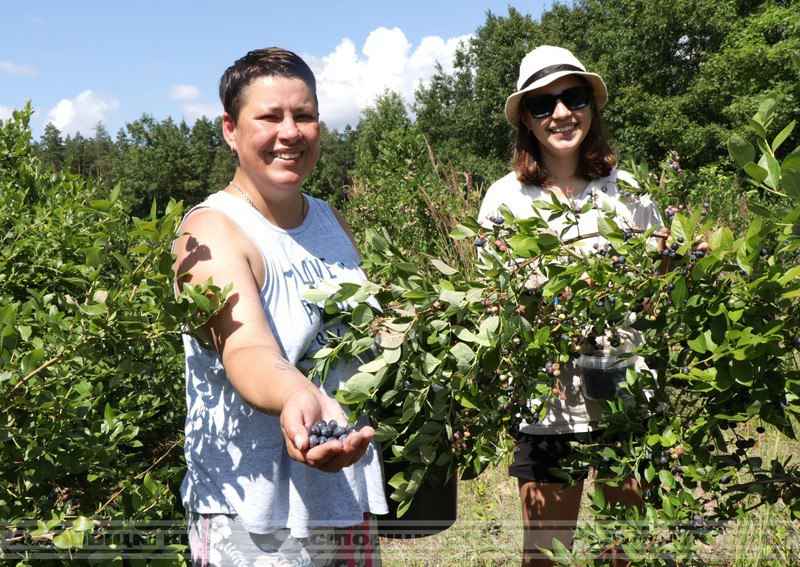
point(489, 529)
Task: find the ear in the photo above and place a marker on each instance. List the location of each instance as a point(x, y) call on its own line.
point(229, 130)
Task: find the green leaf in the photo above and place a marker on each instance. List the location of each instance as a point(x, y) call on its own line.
point(741, 150)
point(666, 478)
point(668, 438)
point(598, 497)
point(100, 205)
point(431, 363)
point(150, 485)
point(757, 173)
point(322, 353)
point(650, 473)
point(668, 506)
point(490, 325)
point(467, 336)
point(524, 246)
point(392, 356)
point(791, 294)
point(781, 137)
point(607, 227)
point(378, 363)
point(453, 297)
point(316, 296)
point(24, 332)
point(96, 308)
point(463, 355)
point(358, 387)
point(773, 171)
point(792, 161)
point(465, 401)
point(402, 509)
point(460, 232)
point(765, 111)
point(362, 315)
point(442, 267)
point(680, 291)
point(790, 275)
point(82, 524)
point(398, 480)
point(385, 433)
point(790, 181)
point(69, 539)
point(682, 228)
point(698, 344)
point(721, 239)
point(757, 127)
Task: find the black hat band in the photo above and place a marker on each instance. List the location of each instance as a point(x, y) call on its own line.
point(541, 73)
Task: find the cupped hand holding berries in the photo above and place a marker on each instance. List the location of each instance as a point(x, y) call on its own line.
point(303, 409)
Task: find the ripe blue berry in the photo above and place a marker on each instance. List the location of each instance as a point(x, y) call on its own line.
point(480, 242)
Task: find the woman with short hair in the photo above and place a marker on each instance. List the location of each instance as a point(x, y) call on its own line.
point(259, 490)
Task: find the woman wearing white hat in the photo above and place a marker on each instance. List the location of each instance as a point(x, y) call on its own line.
point(561, 150)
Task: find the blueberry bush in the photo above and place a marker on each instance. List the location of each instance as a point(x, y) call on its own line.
point(461, 351)
point(90, 358)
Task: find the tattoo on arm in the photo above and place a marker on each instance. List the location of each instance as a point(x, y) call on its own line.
point(283, 365)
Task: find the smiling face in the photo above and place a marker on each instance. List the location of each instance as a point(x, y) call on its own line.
point(559, 135)
point(276, 135)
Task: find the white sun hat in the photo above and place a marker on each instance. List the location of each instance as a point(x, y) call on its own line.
point(542, 66)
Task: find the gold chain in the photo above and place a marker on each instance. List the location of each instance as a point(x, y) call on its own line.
point(250, 201)
point(243, 194)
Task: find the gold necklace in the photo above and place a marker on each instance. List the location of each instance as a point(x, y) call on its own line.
point(243, 194)
point(304, 206)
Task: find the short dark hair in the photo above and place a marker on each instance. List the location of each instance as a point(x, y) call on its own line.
point(596, 158)
point(268, 62)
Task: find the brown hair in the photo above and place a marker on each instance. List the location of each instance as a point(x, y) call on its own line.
point(596, 157)
point(268, 62)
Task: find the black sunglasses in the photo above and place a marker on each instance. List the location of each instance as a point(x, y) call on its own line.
point(542, 106)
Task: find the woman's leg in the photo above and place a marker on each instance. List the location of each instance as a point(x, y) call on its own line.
point(629, 494)
point(549, 510)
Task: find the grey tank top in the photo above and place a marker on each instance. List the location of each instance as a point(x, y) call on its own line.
point(236, 457)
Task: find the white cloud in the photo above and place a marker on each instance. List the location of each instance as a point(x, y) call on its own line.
point(82, 113)
point(5, 112)
point(15, 69)
point(191, 107)
point(194, 110)
point(349, 81)
point(184, 92)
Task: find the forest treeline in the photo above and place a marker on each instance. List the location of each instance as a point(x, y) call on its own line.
point(682, 76)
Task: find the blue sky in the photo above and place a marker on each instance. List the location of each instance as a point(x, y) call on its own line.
point(80, 62)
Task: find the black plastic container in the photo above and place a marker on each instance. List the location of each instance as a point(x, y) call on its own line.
point(433, 510)
point(603, 376)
